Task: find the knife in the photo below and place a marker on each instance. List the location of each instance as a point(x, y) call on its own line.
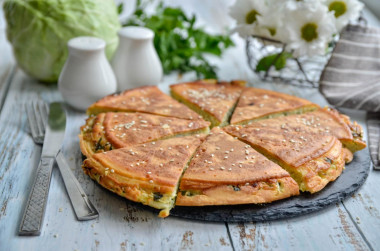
point(32, 219)
point(83, 207)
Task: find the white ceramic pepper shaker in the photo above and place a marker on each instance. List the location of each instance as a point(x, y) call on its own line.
point(136, 62)
point(87, 75)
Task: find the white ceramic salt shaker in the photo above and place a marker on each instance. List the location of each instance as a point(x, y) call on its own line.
point(87, 75)
point(136, 62)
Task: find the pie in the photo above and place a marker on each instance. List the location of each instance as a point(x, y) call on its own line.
point(264, 146)
point(111, 130)
point(147, 99)
point(255, 104)
point(226, 171)
point(147, 173)
point(312, 160)
point(214, 101)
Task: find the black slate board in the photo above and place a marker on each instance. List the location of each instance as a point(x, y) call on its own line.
point(350, 181)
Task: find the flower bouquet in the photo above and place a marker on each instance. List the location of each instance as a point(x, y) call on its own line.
point(292, 39)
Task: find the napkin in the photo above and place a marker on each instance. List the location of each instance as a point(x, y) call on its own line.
point(351, 78)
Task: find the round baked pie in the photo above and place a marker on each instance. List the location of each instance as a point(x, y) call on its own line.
point(214, 143)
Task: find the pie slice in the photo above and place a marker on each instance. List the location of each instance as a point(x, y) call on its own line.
point(147, 99)
point(111, 130)
point(255, 104)
point(226, 171)
point(214, 101)
point(146, 173)
point(313, 160)
point(324, 121)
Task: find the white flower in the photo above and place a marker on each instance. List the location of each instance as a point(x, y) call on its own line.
point(344, 11)
point(271, 20)
point(308, 29)
point(245, 12)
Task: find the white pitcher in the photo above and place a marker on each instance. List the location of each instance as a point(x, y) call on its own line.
point(87, 75)
point(136, 62)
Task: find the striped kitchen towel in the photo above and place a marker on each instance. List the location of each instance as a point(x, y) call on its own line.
point(351, 78)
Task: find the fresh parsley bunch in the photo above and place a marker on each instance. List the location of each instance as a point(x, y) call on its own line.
point(180, 46)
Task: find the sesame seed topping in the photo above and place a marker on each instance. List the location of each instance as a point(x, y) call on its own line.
point(226, 157)
point(212, 169)
point(148, 172)
point(222, 168)
point(161, 165)
point(153, 143)
point(112, 171)
point(191, 124)
point(151, 181)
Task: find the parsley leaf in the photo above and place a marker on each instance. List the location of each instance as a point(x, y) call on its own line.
point(180, 46)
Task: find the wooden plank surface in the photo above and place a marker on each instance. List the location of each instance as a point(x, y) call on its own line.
point(352, 225)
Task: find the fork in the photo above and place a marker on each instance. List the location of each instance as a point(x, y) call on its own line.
point(37, 113)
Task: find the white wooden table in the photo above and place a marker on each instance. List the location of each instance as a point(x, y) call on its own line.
point(353, 224)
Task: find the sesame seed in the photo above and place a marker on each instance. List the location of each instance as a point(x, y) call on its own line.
point(112, 171)
point(187, 146)
point(226, 157)
point(172, 160)
point(137, 164)
point(227, 152)
point(148, 172)
point(191, 124)
point(212, 169)
point(212, 155)
point(231, 150)
point(161, 165)
point(153, 143)
point(222, 168)
point(151, 181)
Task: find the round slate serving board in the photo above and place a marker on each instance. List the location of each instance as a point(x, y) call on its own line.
point(351, 179)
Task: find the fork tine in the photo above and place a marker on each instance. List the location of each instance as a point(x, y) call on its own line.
point(38, 118)
point(31, 120)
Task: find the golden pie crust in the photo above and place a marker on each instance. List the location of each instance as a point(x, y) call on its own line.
point(271, 145)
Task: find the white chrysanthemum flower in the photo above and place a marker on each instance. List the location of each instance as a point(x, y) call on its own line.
point(271, 20)
point(245, 12)
point(344, 11)
point(309, 28)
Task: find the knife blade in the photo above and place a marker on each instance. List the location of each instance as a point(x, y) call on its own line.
point(34, 212)
point(82, 205)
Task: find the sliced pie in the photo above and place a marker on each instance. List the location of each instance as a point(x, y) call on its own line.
point(313, 160)
point(214, 101)
point(226, 171)
point(255, 104)
point(147, 99)
point(146, 173)
point(324, 121)
point(111, 130)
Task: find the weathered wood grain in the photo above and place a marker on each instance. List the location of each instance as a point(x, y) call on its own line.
point(330, 229)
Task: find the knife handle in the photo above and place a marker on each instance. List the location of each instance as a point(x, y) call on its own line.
point(82, 205)
point(35, 208)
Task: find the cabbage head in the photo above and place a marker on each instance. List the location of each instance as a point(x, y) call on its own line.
point(40, 29)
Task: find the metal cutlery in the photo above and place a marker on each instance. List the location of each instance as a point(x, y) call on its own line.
point(50, 130)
